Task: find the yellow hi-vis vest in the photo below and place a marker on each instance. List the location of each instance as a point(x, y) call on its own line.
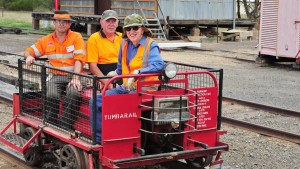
point(140, 60)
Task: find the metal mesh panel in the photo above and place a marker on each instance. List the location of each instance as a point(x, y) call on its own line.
point(61, 106)
point(30, 90)
point(197, 80)
point(46, 95)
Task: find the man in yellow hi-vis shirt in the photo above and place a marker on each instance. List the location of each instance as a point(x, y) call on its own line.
point(103, 47)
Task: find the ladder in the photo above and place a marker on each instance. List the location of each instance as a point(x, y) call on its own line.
point(155, 27)
point(153, 24)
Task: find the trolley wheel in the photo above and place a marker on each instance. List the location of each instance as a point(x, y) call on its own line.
point(71, 157)
point(86, 159)
point(32, 155)
point(22, 127)
point(200, 162)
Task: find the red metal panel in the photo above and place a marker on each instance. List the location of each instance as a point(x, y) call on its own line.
point(120, 125)
point(204, 136)
point(207, 111)
point(82, 124)
point(16, 104)
point(207, 107)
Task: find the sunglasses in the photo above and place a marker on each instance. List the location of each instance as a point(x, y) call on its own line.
point(62, 22)
point(135, 28)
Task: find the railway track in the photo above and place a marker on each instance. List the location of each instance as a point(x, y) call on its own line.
point(250, 57)
point(261, 129)
point(6, 153)
point(253, 127)
point(285, 135)
point(239, 123)
point(14, 158)
point(247, 57)
point(18, 160)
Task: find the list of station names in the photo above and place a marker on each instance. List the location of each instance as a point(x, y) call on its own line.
point(205, 116)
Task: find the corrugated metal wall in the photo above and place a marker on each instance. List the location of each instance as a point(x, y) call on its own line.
point(175, 9)
point(78, 6)
point(197, 9)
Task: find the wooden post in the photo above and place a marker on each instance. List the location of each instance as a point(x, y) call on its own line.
point(2, 8)
point(35, 24)
point(91, 28)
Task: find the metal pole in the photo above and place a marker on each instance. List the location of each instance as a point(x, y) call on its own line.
point(217, 30)
point(141, 9)
point(56, 5)
point(233, 23)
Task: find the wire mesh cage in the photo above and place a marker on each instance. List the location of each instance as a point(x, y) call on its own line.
point(47, 95)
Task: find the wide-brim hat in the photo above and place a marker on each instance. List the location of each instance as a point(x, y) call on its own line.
point(135, 20)
point(62, 15)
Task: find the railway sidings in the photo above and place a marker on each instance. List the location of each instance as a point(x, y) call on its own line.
point(275, 86)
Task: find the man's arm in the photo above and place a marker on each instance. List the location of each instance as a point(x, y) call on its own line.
point(119, 64)
point(155, 61)
point(92, 58)
point(34, 51)
point(29, 59)
point(97, 72)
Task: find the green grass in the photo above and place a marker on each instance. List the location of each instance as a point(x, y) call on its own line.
point(15, 23)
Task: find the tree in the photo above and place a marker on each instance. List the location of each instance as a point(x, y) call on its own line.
point(26, 5)
point(252, 8)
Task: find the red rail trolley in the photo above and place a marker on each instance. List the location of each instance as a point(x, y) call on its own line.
point(179, 121)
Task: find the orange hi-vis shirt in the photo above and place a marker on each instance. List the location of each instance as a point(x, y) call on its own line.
point(102, 50)
point(60, 55)
point(139, 61)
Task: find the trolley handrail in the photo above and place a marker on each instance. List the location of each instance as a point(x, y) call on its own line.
point(138, 76)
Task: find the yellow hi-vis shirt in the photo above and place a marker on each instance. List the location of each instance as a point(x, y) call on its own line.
point(101, 50)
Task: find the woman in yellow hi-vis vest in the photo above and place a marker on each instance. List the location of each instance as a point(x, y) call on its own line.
point(138, 54)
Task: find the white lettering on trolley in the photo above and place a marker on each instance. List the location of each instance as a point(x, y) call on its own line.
point(120, 116)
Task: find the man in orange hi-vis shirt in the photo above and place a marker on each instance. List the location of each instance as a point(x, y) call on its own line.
point(65, 51)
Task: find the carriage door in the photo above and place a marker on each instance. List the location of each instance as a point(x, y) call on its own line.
point(288, 29)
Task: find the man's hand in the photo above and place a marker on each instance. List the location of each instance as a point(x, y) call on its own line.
point(29, 60)
point(75, 82)
point(130, 82)
point(112, 73)
point(102, 83)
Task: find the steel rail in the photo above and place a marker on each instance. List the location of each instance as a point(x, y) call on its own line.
point(295, 138)
point(5, 153)
point(9, 53)
point(267, 108)
point(14, 158)
point(275, 65)
point(5, 98)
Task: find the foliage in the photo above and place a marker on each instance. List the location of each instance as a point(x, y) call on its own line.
point(252, 8)
point(26, 5)
point(14, 23)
